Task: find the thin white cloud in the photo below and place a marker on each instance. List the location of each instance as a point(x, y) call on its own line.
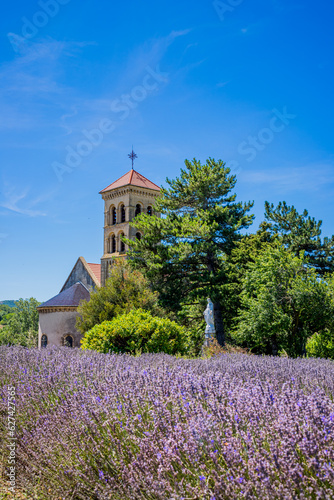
point(34, 96)
point(13, 198)
point(150, 53)
point(30, 82)
point(189, 46)
point(32, 70)
point(91, 110)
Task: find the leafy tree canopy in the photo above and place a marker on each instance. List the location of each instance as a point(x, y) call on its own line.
point(22, 327)
point(245, 251)
point(321, 344)
point(5, 314)
point(283, 302)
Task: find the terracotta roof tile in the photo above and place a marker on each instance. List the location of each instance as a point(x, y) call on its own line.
point(96, 270)
point(132, 178)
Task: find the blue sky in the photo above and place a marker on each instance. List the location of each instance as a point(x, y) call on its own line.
point(248, 82)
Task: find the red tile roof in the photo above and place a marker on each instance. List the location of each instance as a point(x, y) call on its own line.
point(133, 178)
point(96, 270)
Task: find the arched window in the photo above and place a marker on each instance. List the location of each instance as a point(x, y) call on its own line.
point(112, 244)
point(138, 210)
point(111, 219)
point(149, 211)
point(121, 243)
point(68, 341)
point(122, 213)
point(138, 236)
point(44, 341)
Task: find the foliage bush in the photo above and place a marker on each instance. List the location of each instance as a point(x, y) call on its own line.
point(321, 345)
point(125, 289)
point(137, 331)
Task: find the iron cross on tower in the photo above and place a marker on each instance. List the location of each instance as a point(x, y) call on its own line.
point(132, 156)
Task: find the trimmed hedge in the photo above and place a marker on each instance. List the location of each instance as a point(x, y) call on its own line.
point(137, 331)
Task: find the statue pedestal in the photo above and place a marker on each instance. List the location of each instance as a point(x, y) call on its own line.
point(208, 339)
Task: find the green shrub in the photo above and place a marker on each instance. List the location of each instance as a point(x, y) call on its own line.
point(137, 331)
point(124, 290)
point(321, 345)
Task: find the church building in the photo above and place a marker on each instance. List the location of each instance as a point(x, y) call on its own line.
point(124, 199)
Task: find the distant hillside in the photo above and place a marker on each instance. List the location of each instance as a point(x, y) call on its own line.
point(10, 303)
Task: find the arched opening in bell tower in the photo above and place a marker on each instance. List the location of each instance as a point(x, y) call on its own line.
point(123, 214)
point(138, 210)
point(121, 243)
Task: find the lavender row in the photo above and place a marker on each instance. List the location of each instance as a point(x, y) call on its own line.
point(95, 426)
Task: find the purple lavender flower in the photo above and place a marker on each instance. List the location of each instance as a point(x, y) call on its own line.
point(245, 424)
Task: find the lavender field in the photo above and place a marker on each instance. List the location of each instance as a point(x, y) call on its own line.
point(95, 426)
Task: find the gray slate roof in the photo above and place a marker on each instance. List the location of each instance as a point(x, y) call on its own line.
point(69, 297)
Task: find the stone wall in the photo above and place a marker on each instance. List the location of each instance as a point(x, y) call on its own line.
point(57, 325)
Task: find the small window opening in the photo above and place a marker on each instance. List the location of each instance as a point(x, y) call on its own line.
point(68, 341)
point(138, 210)
point(122, 213)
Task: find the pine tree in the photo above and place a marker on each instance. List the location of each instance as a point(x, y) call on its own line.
point(301, 233)
point(184, 252)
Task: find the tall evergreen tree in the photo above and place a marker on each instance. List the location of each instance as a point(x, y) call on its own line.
point(301, 233)
point(184, 252)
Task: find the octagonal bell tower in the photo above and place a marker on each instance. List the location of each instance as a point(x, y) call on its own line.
point(125, 198)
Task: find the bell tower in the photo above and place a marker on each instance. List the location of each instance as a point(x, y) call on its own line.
point(124, 199)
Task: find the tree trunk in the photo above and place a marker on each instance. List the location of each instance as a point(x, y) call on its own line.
point(274, 347)
point(219, 325)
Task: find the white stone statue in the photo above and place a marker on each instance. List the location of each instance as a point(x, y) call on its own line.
point(209, 319)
